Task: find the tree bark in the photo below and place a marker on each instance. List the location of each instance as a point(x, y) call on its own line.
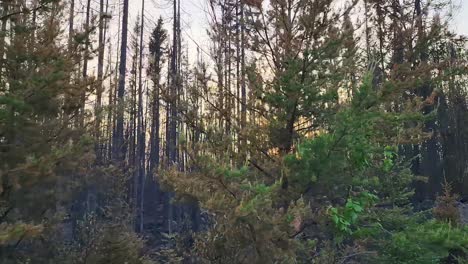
point(140, 132)
point(118, 140)
point(85, 63)
point(100, 73)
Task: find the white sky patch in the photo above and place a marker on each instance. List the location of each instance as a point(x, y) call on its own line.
point(194, 22)
point(460, 22)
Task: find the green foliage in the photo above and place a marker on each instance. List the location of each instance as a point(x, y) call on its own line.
point(431, 242)
point(259, 212)
point(389, 155)
point(248, 223)
point(235, 173)
point(313, 158)
point(446, 206)
point(38, 146)
point(311, 172)
point(353, 151)
point(11, 233)
point(346, 218)
point(102, 242)
point(46, 153)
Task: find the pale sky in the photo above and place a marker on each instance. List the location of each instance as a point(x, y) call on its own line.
point(460, 24)
point(194, 24)
point(194, 20)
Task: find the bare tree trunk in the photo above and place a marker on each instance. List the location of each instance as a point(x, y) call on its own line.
point(140, 132)
point(71, 22)
point(238, 52)
point(110, 104)
point(154, 138)
point(228, 73)
point(367, 33)
point(155, 118)
point(113, 98)
point(171, 140)
point(118, 139)
point(243, 88)
point(85, 62)
point(172, 105)
point(100, 73)
point(3, 32)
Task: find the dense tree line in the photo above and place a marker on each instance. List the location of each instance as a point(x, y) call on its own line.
point(308, 131)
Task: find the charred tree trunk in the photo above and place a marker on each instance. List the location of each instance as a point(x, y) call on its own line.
point(100, 73)
point(85, 62)
point(141, 140)
point(118, 138)
point(71, 25)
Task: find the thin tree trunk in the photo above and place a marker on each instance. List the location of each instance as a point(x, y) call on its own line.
point(243, 87)
point(228, 76)
point(367, 33)
point(3, 32)
point(100, 72)
point(71, 22)
point(238, 52)
point(172, 104)
point(110, 109)
point(118, 140)
point(113, 99)
point(85, 62)
point(155, 128)
point(140, 133)
point(171, 145)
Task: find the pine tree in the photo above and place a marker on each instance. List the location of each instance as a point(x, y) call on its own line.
point(153, 196)
point(317, 159)
point(39, 147)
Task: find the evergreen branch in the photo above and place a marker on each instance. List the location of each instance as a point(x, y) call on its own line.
point(22, 11)
point(260, 169)
point(346, 258)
